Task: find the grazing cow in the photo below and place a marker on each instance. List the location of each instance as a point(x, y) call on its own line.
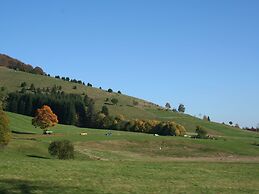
point(47, 132)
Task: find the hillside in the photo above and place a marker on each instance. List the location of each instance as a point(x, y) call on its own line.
point(12, 79)
point(126, 162)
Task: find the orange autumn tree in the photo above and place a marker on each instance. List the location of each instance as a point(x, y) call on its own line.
point(44, 118)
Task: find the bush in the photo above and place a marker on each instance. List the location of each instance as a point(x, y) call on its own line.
point(63, 149)
point(5, 133)
point(114, 101)
point(135, 103)
point(201, 133)
point(110, 90)
point(23, 84)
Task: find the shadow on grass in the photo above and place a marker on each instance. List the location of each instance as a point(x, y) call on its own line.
point(15, 186)
point(35, 156)
point(26, 133)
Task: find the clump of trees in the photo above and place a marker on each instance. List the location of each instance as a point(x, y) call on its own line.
point(70, 108)
point(105, 121)
point(70, 80)
point(63, 149)
point(44, 118)
point(5, 133)
point(74, 109)
point(17, 65)
point(254, 129)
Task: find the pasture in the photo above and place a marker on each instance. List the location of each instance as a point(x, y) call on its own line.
point(127, 162)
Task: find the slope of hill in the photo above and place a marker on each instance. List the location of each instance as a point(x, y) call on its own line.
point(12, 79)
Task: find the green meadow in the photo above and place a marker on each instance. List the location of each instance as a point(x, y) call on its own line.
point(128, 162)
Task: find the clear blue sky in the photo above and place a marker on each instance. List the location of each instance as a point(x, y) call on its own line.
point(204, 54)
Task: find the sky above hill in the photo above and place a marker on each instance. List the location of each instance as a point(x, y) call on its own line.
point(204, 54)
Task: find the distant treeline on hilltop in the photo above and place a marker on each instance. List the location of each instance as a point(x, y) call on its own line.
point(12, 63)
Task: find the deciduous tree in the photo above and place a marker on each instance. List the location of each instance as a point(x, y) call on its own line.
point(44, 118)
point(5, 133)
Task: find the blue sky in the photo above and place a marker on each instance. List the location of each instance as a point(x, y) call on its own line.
point(204, 54)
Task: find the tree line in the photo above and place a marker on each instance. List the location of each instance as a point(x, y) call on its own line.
point(70, 108)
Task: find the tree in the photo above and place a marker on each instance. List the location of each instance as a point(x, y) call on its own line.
point(167, 105)
point(181, 108)
point(38, 70)
point(230, 122)
point(44, 118)
point(5, 133)
point(32, 87)
point(105, 110)
point(114, 101)
point(110, 90)
point(201, 133)
point(119, 92)
point(23, 84)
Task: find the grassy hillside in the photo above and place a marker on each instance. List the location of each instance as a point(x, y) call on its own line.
point(12, 80)
point(127, 162)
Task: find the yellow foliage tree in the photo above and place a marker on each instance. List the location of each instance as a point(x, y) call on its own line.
point(44, 118)
point(5, 133)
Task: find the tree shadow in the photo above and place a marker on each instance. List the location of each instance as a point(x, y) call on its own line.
point(15, 186)
point(35, 156)
point(25, 133)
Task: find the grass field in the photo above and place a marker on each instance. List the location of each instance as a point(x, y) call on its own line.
point(128, 162)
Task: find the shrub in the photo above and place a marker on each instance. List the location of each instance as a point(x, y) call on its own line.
point(201, 133)
point(63, 149)
point(105, 110)
point(110, 90)
point(135, 103)
point(114, 101)
point(23, 84)
point(5, 133)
